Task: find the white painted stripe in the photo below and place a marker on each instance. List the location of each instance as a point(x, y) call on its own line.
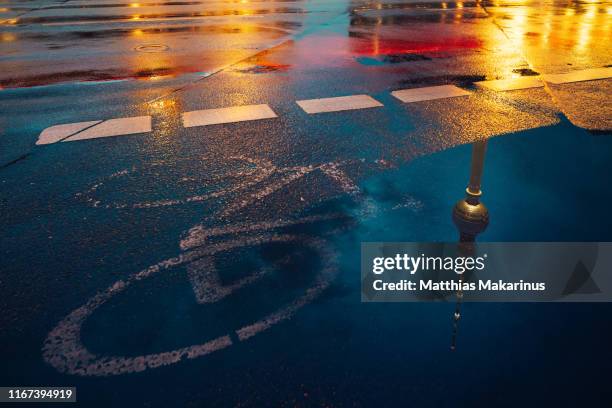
point(429, 93)
point(578, 76)
point(58, 132)
point(115, 127)
point(227, 115)
point(340, 103)
point(512, 84)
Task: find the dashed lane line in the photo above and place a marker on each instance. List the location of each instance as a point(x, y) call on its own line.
point(429, 93)
point(227, 115)
point(58, 132)
point(511, 84)
point(340, 103)
point(142, 124)
point(538, 81)
point(114, 127)
point(95, 129)
point(579, 76)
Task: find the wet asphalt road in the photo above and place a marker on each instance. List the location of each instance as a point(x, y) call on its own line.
point(108, 244)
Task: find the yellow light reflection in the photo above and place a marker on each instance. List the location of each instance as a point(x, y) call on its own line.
point(547, 27)
point(167, 115)
point(134, 5)
point(519, 25)
point(584, 31)
point(548, 37)
point(8, 37)
point(376, 49)
point(161, 106)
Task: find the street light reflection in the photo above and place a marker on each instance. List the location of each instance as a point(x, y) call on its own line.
point(166, 113)
point(575, 27)
point(8, 37)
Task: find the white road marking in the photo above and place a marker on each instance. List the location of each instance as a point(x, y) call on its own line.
point(578, 76)
point(333, 171)
point(429, 93)
point(512, 84)
point(58, 132)
point(115, 127)
point(199, 235)
point(340, 103)
point(206, 282)
point(261, 170)
point(142, 124)
point(227, 115)
point(64, 350)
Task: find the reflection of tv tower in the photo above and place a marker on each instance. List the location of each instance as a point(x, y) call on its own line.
point(469, 215)
point(471, 218)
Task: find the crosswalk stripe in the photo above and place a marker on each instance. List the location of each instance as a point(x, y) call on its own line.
point(429, 93)
point(340, 103)
point(227, 115)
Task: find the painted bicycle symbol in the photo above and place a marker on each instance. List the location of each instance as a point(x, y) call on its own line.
point(64, 349)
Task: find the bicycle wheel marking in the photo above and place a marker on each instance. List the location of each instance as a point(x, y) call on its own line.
point(262, 172)
point(263, 169)
point(198, 234)
point(64, 350)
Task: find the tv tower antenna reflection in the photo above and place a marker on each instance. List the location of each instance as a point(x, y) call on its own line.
point(471, 218)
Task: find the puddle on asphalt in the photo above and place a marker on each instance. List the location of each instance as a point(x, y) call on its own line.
point(94, 76)
point(264, 68)
point(407, 19)
point(423, 5)
point(138, 5)
point(147, 40)
point(144, 17)
point(68, 36)
point(400, 47)
point(525, 72)
point(391, 59)
point(460, 80)
point(260, 64)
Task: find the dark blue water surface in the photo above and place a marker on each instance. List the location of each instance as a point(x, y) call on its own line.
point(549, 184)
